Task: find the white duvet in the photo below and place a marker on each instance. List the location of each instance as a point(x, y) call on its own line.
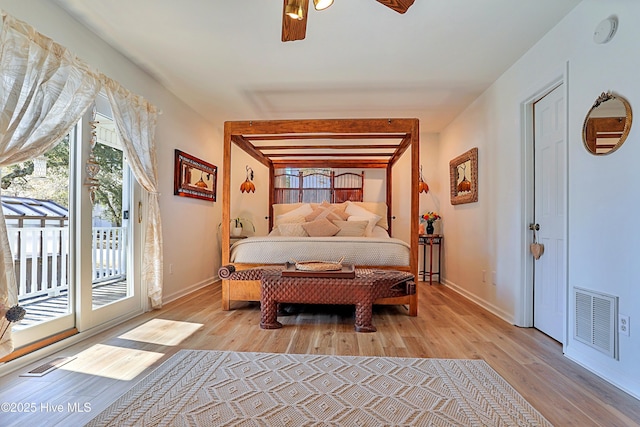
point(373, 251)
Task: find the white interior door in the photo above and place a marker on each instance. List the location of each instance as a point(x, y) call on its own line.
point(550, 212)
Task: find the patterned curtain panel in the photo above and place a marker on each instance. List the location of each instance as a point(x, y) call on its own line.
point(136, 122)
point(45, 91)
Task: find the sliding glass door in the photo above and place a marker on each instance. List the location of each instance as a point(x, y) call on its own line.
point(74, 236)
point(36, 200)
point(109, 229)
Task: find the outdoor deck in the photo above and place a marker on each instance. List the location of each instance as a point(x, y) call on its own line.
point(46, 308)
point(39, 238)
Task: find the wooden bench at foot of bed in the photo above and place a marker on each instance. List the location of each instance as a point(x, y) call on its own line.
point(249, 290)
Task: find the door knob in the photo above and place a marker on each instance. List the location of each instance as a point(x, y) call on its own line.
point(535, 227)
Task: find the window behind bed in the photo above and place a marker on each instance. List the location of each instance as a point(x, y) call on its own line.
point(307, 185)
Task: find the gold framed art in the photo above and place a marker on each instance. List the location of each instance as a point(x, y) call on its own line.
point(607, 124)
point(463, 176)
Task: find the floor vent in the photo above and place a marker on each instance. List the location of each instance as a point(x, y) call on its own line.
point(595, 320)
point(47, 367)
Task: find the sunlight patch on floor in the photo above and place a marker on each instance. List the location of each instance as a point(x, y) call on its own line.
point(112, 362)
point(162, 332)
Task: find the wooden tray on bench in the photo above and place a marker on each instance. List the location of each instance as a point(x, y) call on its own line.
point(348, 272)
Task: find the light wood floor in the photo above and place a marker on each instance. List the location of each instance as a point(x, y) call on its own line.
point(448, 326)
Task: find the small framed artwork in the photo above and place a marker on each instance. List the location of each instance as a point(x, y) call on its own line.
point(463, 173)
point(194, 177)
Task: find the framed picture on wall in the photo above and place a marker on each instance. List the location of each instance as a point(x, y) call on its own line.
point(463, 174)
point(194, 177)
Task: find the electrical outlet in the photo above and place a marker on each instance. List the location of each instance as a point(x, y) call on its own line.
point(623, 324)
point(493, 278)
point(484, 276)
point(170, 268)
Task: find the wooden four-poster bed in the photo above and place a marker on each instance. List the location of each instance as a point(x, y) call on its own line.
point(372, 144)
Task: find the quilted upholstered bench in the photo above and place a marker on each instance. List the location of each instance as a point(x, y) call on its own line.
point(362, 290)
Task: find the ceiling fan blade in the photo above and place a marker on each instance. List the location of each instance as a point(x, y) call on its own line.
point(294, 29)
point(399, 6)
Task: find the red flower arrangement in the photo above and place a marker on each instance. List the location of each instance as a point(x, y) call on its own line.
point(430, 217)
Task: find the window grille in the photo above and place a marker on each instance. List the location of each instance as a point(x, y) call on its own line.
point(317, 185)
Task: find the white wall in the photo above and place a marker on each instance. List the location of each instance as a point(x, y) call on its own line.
point(438, 194)
point(253, 206)
point(602, 208)
point(190, 242)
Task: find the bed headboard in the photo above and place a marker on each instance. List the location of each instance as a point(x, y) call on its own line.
point(315, 187)
point(378, 208)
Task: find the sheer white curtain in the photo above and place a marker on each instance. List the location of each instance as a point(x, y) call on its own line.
point(136, 122)
point(44, 91)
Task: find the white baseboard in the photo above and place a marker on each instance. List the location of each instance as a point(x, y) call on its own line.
point(189, 289)
point(616, 378)
point(507, 317)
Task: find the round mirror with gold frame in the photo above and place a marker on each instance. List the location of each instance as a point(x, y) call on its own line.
point(607, 124)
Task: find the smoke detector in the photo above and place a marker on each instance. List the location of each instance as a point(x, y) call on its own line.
point(605, 30)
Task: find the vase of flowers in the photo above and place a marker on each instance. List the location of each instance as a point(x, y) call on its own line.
point(430, 217)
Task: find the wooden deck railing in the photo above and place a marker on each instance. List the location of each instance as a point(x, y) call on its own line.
point(41, 258)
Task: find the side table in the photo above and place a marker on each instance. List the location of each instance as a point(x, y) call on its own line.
point(428, 241)
point(233, 239)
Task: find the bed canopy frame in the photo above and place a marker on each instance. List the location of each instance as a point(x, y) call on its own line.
point(334, 143)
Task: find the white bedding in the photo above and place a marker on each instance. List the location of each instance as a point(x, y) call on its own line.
point(374, 251)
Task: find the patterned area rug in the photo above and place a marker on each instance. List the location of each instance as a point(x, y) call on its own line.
point(220, 388)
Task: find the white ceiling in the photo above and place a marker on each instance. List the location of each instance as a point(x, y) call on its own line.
point(359, 59)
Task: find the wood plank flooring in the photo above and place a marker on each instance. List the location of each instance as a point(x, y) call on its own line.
point(448, 326)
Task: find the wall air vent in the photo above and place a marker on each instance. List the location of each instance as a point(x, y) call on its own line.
point(595, 320)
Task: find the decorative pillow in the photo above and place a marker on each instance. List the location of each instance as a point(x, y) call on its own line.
point(289, 219)
point(342, 206)
point(377, 208)
point(328, 211)
point(351, 228)
point(371, 222)
point(303, 210)
point(379, 233)
point(294, 229)
point(357, 213)
point(353, 209)
point(320, 228)
point(274, 232)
